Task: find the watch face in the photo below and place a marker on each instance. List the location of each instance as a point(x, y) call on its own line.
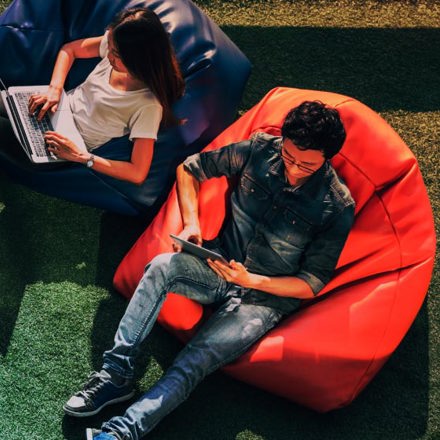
point(89, 163)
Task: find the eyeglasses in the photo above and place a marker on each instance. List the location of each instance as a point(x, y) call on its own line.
point(290, 160)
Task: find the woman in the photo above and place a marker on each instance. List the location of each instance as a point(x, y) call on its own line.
point(130, 91)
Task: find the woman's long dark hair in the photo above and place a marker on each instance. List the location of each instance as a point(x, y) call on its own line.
point(145, 49)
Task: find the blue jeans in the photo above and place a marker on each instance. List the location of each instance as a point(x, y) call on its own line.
point(229, 332)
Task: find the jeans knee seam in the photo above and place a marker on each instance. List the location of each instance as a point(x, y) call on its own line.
point(236, 354)
point(182, 278)
point(146, 321)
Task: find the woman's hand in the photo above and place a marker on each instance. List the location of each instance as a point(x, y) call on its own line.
point(45, 101)
point(232, 272)
point(63, 147)
point(190, 233)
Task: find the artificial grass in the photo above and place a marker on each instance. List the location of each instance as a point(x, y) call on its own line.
point(58, 311)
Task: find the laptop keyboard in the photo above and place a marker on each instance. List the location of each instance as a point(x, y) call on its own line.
point(34, 127)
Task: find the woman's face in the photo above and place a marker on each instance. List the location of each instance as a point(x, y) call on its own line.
point(113, 56)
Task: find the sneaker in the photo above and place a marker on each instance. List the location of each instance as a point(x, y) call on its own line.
point(98, 434)
point(98, 392)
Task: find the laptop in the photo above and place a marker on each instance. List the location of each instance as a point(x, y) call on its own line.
point(29, 131)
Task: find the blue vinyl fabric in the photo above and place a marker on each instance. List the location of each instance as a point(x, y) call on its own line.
point(215, 72)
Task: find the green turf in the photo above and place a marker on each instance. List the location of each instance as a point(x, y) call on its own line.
point(58, 311)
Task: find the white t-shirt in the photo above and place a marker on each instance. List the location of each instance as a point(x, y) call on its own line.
point(101, 112)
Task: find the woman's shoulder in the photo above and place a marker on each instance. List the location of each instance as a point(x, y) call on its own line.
point(103, 47)
point(144, 106)
point(148, 99)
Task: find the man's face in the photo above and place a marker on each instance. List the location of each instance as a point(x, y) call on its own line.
point(300, 164)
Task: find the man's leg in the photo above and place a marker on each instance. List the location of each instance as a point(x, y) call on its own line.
point(226, 335)
point(182, 273)
point(179, 272)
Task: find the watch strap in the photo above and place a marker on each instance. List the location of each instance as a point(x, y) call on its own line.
point(90, 161)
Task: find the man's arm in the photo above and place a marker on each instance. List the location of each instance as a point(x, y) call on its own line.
point(321, 256)
point(285, 286)
point(318, 264)
point(226, 161)
point(188, 198)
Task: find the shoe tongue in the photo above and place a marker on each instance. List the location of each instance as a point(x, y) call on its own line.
point(105, 374)
point(114, 379)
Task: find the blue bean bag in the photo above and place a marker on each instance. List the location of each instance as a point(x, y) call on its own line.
point(215, 71)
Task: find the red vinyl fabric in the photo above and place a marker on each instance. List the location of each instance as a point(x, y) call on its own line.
point(325, 354)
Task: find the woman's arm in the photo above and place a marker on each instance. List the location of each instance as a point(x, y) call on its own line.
point(134, 171)
point(84, 48)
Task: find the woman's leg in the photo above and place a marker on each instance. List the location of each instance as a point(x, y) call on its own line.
point(10, 148)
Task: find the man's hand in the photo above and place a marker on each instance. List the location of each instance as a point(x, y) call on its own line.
point(189, 233)
point(232, 272)
point(62, 147)
point(44, 102)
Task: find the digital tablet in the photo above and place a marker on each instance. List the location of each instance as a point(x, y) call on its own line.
point(199, 251)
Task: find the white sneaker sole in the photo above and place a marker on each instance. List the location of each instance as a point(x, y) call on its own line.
point(73, 413)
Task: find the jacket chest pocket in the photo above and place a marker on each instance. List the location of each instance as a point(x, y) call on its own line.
point(252, 190)
point(294, 229)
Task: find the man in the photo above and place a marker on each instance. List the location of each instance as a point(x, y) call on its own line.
point(290, 216)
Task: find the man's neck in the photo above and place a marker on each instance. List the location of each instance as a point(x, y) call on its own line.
point(294, 181)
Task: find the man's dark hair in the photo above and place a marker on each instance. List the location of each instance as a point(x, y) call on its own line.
point(314, 126)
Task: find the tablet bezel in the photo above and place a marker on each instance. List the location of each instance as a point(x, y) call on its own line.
point(196, 250)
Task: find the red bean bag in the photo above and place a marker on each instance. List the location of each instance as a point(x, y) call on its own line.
point(325, 354)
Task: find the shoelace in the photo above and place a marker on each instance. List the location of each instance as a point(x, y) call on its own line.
point(94, 384)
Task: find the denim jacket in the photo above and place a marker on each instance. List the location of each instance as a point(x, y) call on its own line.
point(275, 229)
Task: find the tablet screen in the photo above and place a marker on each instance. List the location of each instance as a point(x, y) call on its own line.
point(199, 251)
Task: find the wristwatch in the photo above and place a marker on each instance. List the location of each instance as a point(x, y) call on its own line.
point(90, 161)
